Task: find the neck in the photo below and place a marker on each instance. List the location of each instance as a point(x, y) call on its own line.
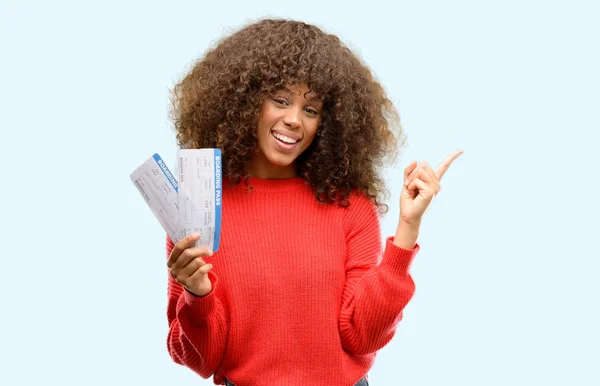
point(261, 168)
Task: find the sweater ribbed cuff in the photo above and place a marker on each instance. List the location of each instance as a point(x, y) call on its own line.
point(202, 306)
point(398, 260)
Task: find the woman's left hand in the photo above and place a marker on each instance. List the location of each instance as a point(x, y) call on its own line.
point(421, 184)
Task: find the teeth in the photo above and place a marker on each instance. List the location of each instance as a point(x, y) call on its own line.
point(284, 138)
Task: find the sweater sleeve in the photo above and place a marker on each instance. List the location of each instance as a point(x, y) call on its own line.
point(198, 326)
point(378, 287)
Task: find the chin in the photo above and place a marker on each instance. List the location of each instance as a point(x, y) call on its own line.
point(279, 160)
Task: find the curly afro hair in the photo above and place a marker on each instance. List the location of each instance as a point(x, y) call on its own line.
point(217, 105)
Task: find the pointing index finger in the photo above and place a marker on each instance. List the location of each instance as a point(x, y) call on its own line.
point(445, 164)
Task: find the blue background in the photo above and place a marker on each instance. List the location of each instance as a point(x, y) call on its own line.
point(507, 278)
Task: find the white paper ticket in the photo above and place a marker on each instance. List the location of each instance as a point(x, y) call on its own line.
point(159, 188)
point(200, 189)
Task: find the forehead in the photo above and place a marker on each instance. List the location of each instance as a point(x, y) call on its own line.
point(301, 89)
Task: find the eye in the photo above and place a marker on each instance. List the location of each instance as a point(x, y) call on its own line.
point(311, 111)
point(280, 101)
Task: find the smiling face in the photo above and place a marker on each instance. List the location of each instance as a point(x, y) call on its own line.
point(287, 125)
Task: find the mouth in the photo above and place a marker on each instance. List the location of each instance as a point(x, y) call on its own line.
point(287, 141)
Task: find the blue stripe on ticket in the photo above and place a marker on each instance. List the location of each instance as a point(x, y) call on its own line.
point(161, 164)
point(218, 191)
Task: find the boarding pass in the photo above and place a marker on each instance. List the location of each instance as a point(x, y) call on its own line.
point(189, 203)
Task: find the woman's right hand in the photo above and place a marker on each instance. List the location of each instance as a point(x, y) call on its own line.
point(188, 268)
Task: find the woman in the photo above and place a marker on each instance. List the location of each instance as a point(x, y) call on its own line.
point(300, 292)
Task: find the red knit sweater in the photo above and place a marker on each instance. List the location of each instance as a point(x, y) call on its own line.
point(302, 293)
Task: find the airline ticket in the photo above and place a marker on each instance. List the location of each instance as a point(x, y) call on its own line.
point(191, 205)
point(200, 189)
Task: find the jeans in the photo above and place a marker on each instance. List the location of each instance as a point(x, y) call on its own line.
point(362, 382)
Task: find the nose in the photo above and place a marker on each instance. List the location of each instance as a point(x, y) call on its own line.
point(292, 118)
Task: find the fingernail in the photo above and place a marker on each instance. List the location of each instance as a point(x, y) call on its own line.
point(196, 235)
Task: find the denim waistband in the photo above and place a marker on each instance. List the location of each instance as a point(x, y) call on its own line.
point(362, 382)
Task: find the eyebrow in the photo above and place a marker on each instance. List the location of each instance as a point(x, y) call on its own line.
point(314, 96)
